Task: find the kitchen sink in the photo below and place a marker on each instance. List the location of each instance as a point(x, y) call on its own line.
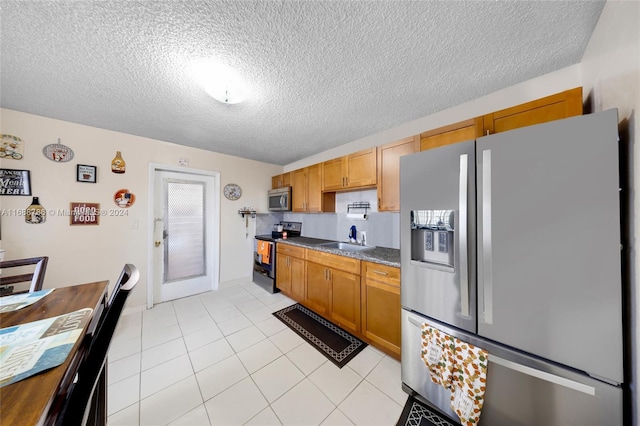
point(345, 246)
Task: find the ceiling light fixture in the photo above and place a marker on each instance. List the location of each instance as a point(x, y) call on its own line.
point(219, 81)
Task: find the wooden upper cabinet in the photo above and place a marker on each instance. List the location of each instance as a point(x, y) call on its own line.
point(314, 188)
point(357, 170)
point(361, 168)
point(306, 191)
point(299, 190)
point(389, 171)
point(280, 181)
point(453, 133)
point(332, 175)
point(554, 107)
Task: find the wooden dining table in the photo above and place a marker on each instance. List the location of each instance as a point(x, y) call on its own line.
point(37, 400)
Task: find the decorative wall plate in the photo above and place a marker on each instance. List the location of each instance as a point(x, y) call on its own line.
point(232, 191)
point(57, 152)
point(123, 198)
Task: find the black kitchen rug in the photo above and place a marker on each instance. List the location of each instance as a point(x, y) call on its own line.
point(330, 340)
point(416, 413)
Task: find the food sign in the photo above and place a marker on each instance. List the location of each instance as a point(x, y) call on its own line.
point(85, 213)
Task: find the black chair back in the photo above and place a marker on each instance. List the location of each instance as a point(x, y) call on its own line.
point(35, 279)
point(78, 409)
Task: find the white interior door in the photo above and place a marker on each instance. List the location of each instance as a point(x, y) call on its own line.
point(184, 231)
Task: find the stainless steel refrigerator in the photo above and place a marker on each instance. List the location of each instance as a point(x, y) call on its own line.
point(512, 242)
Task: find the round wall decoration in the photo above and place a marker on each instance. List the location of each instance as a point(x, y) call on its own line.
point(123, 198)
point(58, 152)
point(232, 191)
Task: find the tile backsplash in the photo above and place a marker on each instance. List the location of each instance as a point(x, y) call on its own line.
point(265, 222)
point(382, 228)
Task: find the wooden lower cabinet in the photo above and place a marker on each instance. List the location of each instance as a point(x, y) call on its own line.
point(345, 300)
point(318, 294)
point(335, 295)
point(381, 306)
point(361, 297)
point(333, 288)
point(290, 271)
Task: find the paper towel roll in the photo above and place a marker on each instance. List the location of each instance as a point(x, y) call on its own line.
point(357, 216)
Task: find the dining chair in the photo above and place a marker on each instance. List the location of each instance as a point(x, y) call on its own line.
point(35, 278)
point(85, 403)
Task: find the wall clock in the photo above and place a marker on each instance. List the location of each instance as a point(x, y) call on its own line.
point(232, 191)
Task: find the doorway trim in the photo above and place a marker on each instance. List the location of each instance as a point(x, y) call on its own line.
point(215, 249)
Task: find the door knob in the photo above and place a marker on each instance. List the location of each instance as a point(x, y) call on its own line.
point(157, 243)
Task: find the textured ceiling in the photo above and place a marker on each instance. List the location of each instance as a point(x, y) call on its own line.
point(320, 73)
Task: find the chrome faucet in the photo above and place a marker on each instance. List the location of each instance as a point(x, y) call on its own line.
point(364, 238)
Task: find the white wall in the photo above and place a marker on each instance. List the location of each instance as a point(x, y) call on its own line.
point(79, 254)
point(611, 79)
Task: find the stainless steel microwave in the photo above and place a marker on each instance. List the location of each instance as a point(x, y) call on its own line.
point(280, 199)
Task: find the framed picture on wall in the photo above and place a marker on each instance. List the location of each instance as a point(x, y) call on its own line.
point(15, 182)
point(86, 173)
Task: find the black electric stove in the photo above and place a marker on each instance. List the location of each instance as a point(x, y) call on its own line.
point(290, 229)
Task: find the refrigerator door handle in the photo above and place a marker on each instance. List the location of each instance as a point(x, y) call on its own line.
point(552, 378)
point(543, 375)
point(462, 235)
point(487, 272)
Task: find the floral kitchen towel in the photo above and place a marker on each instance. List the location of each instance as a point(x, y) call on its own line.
point(438, 353)
point(469, 382)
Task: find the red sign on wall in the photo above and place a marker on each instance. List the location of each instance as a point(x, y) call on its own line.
point(85, 213)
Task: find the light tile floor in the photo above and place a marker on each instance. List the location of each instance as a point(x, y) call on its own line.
point(222, 358)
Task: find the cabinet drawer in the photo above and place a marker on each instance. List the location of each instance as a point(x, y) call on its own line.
point(294, 251)
point(379, 272)
point(343, 263)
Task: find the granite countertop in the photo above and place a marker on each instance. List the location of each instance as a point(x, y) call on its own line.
point(384, 255)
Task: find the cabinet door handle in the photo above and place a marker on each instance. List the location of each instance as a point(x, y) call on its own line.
point(375, 271)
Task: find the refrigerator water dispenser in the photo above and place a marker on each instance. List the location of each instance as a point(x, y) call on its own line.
point(432, 237)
